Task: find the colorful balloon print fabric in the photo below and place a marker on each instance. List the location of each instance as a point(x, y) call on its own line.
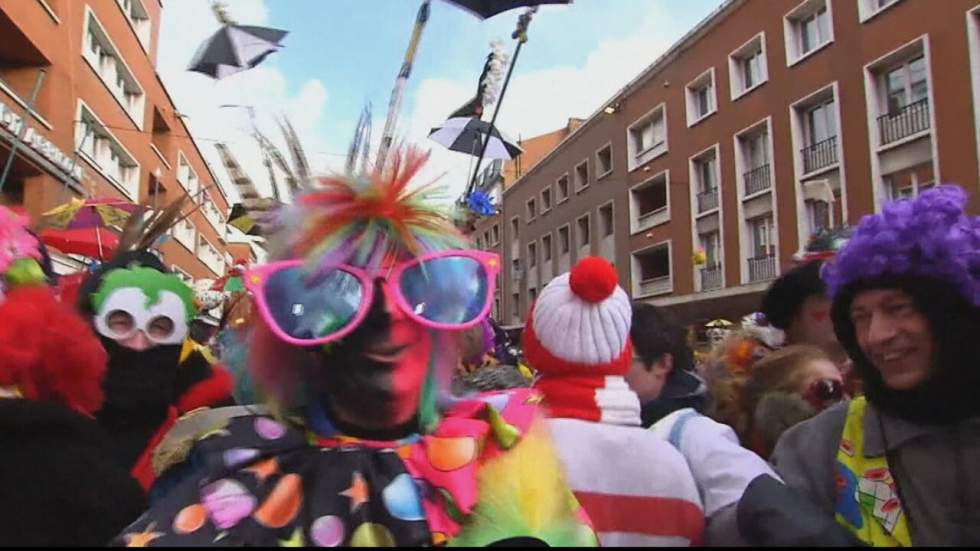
point(263, 483)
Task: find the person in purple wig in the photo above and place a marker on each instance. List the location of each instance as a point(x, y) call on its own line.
point(898, 465)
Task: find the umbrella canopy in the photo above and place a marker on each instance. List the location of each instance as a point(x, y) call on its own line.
point(94, 242)
point(89, 213)
point(490, 8)
point(466, 135)
point(235, 48)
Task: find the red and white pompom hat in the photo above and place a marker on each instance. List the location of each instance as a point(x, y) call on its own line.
point(578, 338)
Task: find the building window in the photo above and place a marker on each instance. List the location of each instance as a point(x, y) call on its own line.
point(647, 138)
point(870, 8)
point(583, 236)
point(210, 256)
point(582, 176)
point(532, 294)
point(532, 209)
point(710, 273)
point(515, 308)
point(706, 181)
point(905, 103)
point(561, 186)
point(138, 19)
point(185, 233)
point(187, 176)
point(104, 58)
point(814, 30)
point(807, 29)
point(701, 100)
point(762, 264)
point(479, 242)
point(648, 203)
point(545, 200)
point(606, 223)
point(755, 160)
point(747, 66)
point(211, 213)
point(818, 215)
point(515, 229)
point(604, 161)
point(564, 243)
point(100, 148)
point(820, 135)
point(494, 235)
point(532, 254)
point(546, 249)
point(651, 271)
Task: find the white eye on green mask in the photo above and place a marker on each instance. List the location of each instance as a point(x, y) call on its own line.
point(124, 313)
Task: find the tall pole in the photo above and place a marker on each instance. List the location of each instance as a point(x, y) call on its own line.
point(19, 136)
point(521, 35)
point(395, 104)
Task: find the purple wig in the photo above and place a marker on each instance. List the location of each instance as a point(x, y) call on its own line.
point(929, 236)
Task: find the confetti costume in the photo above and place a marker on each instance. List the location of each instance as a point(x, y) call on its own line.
point(448, 471)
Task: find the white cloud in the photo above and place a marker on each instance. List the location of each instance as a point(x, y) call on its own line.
point(188, 23)
point(542, 101)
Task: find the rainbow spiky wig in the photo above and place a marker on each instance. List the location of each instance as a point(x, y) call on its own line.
point(366, 220)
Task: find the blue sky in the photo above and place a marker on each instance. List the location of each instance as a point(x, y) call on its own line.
point(342, 53)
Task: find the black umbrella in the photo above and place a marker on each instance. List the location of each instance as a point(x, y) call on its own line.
point(490, 8)
point(466, 135)
point(235, 48)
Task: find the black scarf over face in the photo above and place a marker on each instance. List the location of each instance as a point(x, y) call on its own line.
point(139, 390)
point(948, 396)
point(344, 379)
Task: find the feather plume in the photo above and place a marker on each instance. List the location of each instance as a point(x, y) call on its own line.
point(368, 218)
point(524, 495)
point(300, 163)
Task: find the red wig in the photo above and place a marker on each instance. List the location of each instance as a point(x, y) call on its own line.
point(48, 352)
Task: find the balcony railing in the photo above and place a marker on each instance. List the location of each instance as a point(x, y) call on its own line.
point(819, 155)
point(757, 179)
point(711, 277)
point(655, 285)
point(904, 122)
point(762, 268)
point(707, 200)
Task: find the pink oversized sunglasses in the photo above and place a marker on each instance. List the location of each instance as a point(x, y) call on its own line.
point(446, 290)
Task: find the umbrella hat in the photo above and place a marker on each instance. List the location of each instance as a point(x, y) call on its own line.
point(490, 8)
point(466, 135)
point(235, 48)
point(93, 242)
point(89, 213)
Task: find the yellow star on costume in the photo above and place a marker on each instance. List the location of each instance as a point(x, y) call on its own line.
point(358, 492)
point(295, 540)
point(534, 398)
point(263, 469)
point(143, 539)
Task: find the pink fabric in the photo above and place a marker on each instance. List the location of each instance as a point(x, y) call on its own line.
point(450, 458)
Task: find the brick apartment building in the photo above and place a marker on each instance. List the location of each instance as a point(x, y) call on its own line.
point(102, 124)
point(767, 121)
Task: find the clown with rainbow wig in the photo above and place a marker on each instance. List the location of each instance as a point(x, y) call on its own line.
point(353, 346)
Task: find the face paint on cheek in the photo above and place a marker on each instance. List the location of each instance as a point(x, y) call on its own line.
point(411, 369)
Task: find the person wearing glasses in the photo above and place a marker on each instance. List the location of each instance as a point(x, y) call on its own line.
point(142, 313)
point(354, 343)
point(781, 389)
point(898, 465)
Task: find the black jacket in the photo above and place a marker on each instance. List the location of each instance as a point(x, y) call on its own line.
point(58, 484)
point(683, 389)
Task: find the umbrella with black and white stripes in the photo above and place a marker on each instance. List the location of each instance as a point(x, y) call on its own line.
point(467, 134)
